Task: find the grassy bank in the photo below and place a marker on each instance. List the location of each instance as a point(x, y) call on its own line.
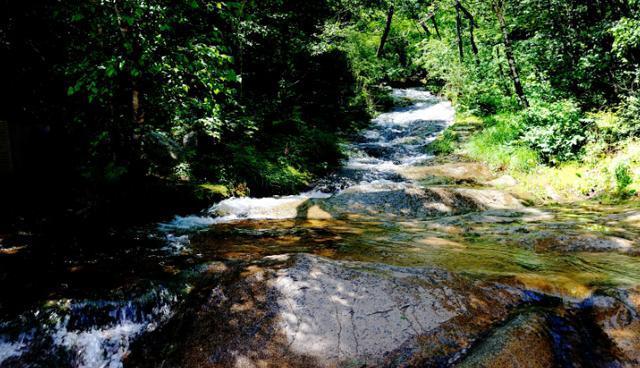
point(599, 170)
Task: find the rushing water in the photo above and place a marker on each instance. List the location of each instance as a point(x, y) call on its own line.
point(394, 141)
point(366, 211)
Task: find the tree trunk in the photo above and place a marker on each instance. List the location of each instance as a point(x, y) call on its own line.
point(474, 47)
point(435, 26)
point(425, 28)
point(135, 106)
point(472, 25)
point(459, 33)
point(385, 34)
point(136, 115)
point(508, 51)
point(503, 77)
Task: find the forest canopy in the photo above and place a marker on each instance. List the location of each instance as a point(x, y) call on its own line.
point(256, 96)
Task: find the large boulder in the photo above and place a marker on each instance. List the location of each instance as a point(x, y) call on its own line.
point(401, 199)
point(308, 311)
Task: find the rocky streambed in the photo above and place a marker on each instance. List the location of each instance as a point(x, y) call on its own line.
point(309, 311)
point(396, 260)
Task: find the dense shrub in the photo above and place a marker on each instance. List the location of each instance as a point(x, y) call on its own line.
point(629, 117)
point(623, 177)
point(556, 131)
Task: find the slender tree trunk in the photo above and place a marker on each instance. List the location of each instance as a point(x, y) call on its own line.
point(508, 51)
point(136, 115)
point(385, 34)
point(459, 33)
point(424, 27)
point(474, 47)
point(131, 149)
point(502, 75)
point(431, 16)
point(435, 26)
point(472, 26)
point(136, 109)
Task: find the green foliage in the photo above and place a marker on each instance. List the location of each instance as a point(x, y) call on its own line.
point(265, 176)
point(556, 131)
point(144, 75)
point(626, 34)
point(499, 147)
point(445, 143)
point(629, 117)
point(172, 90)
point(261, 92)
point(624, 178)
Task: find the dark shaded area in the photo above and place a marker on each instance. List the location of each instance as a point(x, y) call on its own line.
point(81, 165)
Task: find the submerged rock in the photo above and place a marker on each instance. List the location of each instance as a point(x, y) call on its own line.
point(582, 243)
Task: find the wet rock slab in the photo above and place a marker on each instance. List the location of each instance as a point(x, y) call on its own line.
point(513, 345)
point(617, 315)
point(401, 199)
point(458, 172)
point(308, 311)
point(357, 312)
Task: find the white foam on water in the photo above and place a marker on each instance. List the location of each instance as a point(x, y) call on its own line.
point(191, 222)
point(104, 347)
point(371, 134)
point(412, 160)
point(415, 94)
point(427, 108)
point(90, 344)
point(176, 244)
point(272, 208)
point(243, 208)
point(10, 349)
point(107, 346)
point(375, 186)
point(374, 164)
point(371, 164)
point(441, 111)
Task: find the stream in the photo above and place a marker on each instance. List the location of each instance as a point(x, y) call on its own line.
point(399, 258)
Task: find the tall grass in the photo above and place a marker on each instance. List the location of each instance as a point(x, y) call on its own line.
point(498, 146)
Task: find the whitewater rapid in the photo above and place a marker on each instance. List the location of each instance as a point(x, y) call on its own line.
point(394, 140)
